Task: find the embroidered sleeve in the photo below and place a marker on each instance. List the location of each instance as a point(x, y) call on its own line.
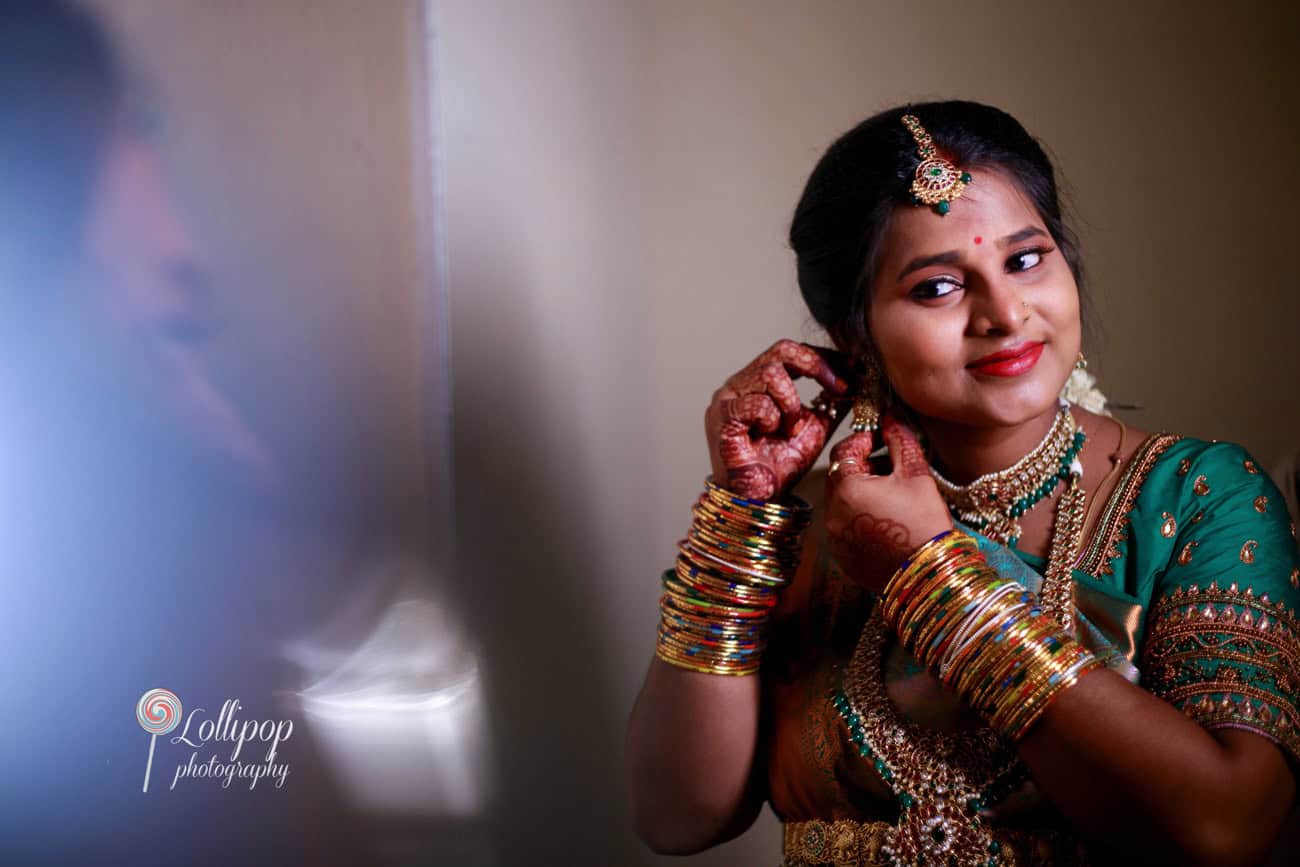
point(1223, 641)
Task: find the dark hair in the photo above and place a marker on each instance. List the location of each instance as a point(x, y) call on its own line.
point(846, 205)
point(59, 85)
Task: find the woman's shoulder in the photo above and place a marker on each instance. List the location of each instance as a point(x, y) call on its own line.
point(1213, 455)
point(1185, 467)
point(1199, 472)
point(1172, 483)
point(1215, 501)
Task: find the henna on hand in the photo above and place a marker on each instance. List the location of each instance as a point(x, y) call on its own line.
point(754, 481)
point(904, 448)
point(875, 521)
point(869, 548)
point(762, 437)
point(879, 540)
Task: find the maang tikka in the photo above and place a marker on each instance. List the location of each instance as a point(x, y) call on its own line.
point(937, 181)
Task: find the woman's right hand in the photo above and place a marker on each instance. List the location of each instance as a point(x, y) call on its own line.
point(762, 439)
point(874, 521)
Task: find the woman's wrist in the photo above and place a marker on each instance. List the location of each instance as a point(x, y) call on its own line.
point(983, 636)
point(737, 556)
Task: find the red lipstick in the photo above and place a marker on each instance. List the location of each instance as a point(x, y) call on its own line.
point(1009, 362)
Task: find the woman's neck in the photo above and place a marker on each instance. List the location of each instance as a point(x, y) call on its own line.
point(963, 452)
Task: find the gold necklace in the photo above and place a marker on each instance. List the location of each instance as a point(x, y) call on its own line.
point(995, 502)
point(941, 780)
point(1057, 593)
point(1116, 461)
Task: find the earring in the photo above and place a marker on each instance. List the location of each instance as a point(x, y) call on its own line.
point(866, 406)
point(1081, 363)
point(866, 415)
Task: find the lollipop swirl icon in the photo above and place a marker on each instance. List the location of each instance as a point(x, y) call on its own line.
point(158, 712)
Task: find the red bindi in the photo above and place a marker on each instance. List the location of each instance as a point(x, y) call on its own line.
point(979, 239)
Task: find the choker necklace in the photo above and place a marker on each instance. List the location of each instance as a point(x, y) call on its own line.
point(995, 502)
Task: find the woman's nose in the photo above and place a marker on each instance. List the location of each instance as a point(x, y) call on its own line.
point(144, 246)
point(1000, 307)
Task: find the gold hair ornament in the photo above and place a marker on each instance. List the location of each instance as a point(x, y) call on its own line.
point(937, 182)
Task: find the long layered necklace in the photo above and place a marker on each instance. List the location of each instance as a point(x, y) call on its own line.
point(942, 780)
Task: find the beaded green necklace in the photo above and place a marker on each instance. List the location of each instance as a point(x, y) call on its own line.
point(995, 502)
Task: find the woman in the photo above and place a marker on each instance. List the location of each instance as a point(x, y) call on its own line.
point(1031, 633)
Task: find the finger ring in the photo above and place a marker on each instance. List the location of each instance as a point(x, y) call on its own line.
point(844, 463)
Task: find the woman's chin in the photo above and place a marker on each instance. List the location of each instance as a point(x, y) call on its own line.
point(993, 408)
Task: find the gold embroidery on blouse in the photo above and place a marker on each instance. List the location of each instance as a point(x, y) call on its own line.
point(1295, 578)
point(818, 725)
point(1185, 556)
point(1184, 466)
point(1196, 519)
point(1200, 487)
point(1226, 658)
point(1112, 527)
point(1261, 504)
point(1168, 526)
point(1248, 551)
point(1250, 467)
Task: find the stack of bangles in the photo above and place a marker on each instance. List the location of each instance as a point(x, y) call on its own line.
point(983, 636)
point(730, 569)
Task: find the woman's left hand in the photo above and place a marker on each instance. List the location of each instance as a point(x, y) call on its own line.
point(874, 522)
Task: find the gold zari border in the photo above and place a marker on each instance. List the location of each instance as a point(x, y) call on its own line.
point(1112, 528)
point(846, 843)
point(1198, 643)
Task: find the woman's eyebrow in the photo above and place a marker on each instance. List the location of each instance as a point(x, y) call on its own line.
point(1023, 235)
point(920, 262)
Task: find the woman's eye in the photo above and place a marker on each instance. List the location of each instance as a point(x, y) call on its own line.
point(1026, 259)
point(936, 288)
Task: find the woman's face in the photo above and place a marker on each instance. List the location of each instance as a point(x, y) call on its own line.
point(975, 314)
point(149, 307)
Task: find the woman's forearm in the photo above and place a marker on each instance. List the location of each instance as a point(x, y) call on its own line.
point(690, 756)
point(1123, 765)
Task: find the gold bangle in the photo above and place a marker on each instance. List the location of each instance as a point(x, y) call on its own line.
point(704, 668)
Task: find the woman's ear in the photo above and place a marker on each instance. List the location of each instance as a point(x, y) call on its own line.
point(841, 345)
